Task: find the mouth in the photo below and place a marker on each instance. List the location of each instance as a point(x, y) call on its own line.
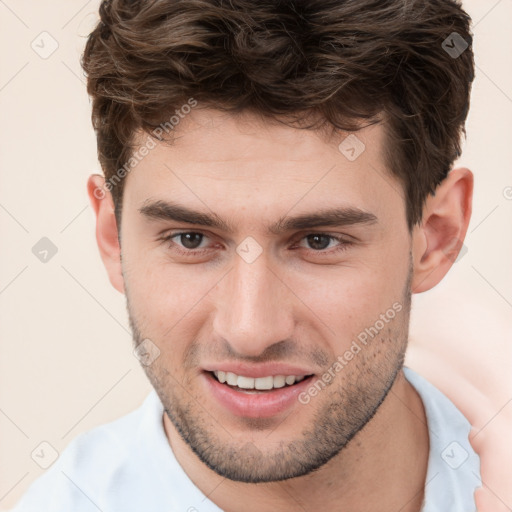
point(255, 392)
point(257, 385)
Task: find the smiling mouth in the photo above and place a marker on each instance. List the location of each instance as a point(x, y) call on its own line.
point(259, 384)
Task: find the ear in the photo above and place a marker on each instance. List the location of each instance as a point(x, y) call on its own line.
point(106, 229)
point(437, 241)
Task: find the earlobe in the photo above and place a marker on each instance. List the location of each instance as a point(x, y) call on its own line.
point(439, 239)
point(106, 229)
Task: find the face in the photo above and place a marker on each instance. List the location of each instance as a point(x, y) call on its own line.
point(256, 252)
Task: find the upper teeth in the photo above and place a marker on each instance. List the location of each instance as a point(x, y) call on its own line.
point(257, 383)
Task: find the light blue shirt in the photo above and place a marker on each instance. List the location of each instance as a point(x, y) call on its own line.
point(453, 472)
point(128, 465)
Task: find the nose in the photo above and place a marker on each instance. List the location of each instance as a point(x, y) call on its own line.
point(253, 308)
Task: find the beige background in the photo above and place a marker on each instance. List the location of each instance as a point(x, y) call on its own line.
point(66, 363)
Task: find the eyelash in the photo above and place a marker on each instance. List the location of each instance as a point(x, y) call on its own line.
point(344, 244)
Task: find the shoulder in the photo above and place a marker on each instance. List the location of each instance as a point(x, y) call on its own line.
point(453, 472)
point(90, 464)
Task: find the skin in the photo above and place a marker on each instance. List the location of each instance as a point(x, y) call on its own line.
point(296, 303)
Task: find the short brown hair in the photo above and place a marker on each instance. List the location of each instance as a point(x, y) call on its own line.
point(344, 61)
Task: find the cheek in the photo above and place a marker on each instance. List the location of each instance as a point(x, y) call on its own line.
point(359, 293)
point(164, 296)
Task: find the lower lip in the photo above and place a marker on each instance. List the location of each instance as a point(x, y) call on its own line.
point(255, 405)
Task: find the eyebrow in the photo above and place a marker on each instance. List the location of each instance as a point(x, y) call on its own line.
point(333, 217)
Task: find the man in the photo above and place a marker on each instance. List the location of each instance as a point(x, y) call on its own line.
point(278, 182)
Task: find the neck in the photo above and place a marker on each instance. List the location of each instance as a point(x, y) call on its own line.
point(383, 467)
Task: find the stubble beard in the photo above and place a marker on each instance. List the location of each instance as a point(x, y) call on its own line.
point(341, 411)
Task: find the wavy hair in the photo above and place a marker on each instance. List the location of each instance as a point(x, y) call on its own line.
point(344, 63)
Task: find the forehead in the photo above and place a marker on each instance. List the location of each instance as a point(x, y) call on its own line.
point(217, 160)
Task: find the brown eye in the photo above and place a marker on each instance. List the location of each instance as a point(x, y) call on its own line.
point(323, 244)
point(187, 242)
point(190, 240)
point(319, 242)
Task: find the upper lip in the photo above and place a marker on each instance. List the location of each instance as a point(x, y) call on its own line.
point(261, 370)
